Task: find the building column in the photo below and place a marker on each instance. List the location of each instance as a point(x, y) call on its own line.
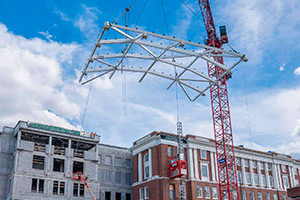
point(140, 172)
point(190, 163)
point(275, 176)
point(212, 164)
point(150, 162)
point(267, 176)
point(243, 172)
point(279, 177)
point(251, 173)
point(260, 183)
point(291, 172)
point(196, 164)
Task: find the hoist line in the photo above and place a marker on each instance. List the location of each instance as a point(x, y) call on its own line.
point(138, 19)
point(126, 10)
point(188, 7)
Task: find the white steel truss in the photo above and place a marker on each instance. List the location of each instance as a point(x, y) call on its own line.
point(163, 51)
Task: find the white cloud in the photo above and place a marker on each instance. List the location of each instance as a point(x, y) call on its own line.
point(31, 80)
point(46, 35)
point(282, 67)
point(297, 71)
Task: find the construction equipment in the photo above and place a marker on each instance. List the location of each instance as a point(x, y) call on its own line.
point(228, 182)
point(160, 54)
point(82, 177)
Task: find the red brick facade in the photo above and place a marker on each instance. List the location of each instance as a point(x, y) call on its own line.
point(158, 185)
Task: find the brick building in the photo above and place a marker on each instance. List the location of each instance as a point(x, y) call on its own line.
point(262, 175)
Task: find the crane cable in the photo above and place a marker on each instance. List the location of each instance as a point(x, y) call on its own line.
point(138, 19)
point(126, 10)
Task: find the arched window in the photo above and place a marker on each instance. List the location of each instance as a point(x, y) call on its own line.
point(146, 166)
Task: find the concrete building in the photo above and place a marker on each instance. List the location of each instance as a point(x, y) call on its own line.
point(38, 161)
point(262, 175)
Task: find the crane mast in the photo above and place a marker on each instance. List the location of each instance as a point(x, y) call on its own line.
point(227, 175)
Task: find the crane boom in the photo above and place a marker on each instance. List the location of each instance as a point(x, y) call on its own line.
point(228, 183)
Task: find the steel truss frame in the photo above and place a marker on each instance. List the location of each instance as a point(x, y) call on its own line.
point(175, 47)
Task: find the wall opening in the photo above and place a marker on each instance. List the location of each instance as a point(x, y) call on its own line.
point(58, 165)
point(81, 192)
point(60, 146)
point(118, 196)
point(128, 196)
point(107, 196)
point(38, 162)
point(40, 141)
point(77, 167)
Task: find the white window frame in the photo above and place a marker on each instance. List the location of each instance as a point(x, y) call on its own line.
point(201, 191)
point(216, 192)
point(106, 160)
point(247, 174)
point(246, 162)
point(207, 197)
point(268, 196)
point(201, 155)
point(253, 195)
point(244, 195)
point(259, 196)
point(275, 196)
point(146, 165)
point(141, 193)
point(285, 181)
point(283, 168)
point(204, 178)
point(118, 164)
point(264, 181)
point(255, 179)
point(146, 192)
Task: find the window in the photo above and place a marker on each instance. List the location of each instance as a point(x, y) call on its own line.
point(75, 189)
point(77, 166)
point(275, 197)
point(118, 196)
point(58, 188)
point(199, 191)
point(263, 179)
point(204, 171)
point(247, 177)
point(107, 176)
point(255, 179)
point(118, 162)
point(252, 196)
point(170, 151)
point(268, 196)
point(55, 187)
point(107, 160)
point(58, 165)
point(172, 191)
point(238, 161)
point(254, 164)
point(244, 197)
point(107, 196)
point(141, 193)
point(203, 154)
point(286, 182)
point(239, 174)
point(284, 197)
point(146, 193)
point(37, 185)
point(246, 163)
point(207, 192)
point(259, 196)
point(269, 167)
point(261, 165)
point(271, 181)
point(296, 182)
point(81, 191)
point(128, 162)
point(128, 179)
point(283, 168)
point(99, 159)
point(214, 193)
point(38, 162)
point(78, 190)
point(118, 177)
point(128, 196)
point(146, 166)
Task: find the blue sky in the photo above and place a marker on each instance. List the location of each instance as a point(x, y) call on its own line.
point(44, 45)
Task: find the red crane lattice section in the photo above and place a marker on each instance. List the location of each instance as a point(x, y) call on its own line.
point(228, 183)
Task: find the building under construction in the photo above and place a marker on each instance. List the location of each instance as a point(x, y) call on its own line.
point(38, 162)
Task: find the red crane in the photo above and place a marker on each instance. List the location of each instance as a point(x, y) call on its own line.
point(228, 183)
